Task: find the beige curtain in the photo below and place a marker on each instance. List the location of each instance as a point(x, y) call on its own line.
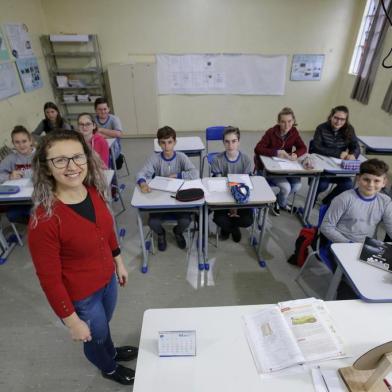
point(371, 55)
point(387, 103)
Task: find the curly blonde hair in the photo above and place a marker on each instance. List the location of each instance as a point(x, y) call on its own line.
point(45, 184)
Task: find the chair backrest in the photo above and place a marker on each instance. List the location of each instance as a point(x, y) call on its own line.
point(311, 146)
point(214, 133)
point(322, 212)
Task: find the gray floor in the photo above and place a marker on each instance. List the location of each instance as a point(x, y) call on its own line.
point(36, 353)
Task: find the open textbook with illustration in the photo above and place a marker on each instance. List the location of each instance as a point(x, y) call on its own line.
point(292, 333)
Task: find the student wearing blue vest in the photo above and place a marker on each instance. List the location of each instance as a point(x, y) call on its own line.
point(232, 161)
point(335, 138)
point(168, 163)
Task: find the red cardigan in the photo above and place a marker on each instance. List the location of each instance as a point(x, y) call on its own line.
point(271, 142)
point(72, 255)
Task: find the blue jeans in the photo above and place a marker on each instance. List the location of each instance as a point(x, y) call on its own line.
point(286, 185)
point(97, 310)
point(342, 184)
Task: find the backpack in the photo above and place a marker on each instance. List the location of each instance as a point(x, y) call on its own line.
point(191, 194)
point(307, 237)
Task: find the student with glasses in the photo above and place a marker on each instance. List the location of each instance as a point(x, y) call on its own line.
point(75, 250)
point(88, 128)
point(335, 138)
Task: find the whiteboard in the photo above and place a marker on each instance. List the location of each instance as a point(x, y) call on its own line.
point(248, 74)
point(9, 85)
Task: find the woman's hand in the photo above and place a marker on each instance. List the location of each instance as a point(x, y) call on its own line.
point(343, 155)
point(78, 329)
point(121, 271)
point(351, 157)
point(293, 156)
point(282, 154)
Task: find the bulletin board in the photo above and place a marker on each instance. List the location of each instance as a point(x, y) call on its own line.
point(221, 74)
point(307, 67)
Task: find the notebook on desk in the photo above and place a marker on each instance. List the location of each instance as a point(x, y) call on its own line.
point(166, 184)
point(377, 253)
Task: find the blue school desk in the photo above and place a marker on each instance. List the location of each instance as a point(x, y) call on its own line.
point(261, 196)
point(192, 146)
point(377, 145)
point(160, 201)
point(372, 284)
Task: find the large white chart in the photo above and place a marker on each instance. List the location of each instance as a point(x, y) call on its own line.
point(221, 74)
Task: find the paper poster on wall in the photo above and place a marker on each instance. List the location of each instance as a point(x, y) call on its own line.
point(29, 73)
point(307, 66)
point(3, 48)
point(221, 74)
point(9, 85)
point(19, 39)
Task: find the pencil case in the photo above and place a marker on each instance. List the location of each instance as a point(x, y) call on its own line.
point(351, 164)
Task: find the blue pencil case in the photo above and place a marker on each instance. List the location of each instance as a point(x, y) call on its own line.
point(9, 189)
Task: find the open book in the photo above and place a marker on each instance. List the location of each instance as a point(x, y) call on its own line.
point(292, 333)
point(240, 178)
point(166, 184)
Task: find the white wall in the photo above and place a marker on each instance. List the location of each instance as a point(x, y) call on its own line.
point(134, 30)
point(25, 108)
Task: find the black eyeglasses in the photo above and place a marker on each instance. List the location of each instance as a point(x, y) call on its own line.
point(63, 162)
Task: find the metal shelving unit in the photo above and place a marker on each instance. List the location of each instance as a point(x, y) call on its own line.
point(78, 61)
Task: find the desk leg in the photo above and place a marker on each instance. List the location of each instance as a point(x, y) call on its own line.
point(200, 239)
point(206, 265)
point(143, 242)
point(264, 211)
point(314, 181)
point(333, 286)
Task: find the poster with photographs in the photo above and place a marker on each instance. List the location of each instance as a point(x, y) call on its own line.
point(19, 39)
point(3, 49)
point(29, 73)
point(377, 253)
point(307, 66)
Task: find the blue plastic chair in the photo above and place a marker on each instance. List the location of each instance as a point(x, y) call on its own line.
point(321, 251)
point(212, 133)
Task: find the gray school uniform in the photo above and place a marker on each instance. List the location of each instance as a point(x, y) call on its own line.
point(114, 123)
point(222, 166)
point(351, 217)
point(16, 161)
point(158, 165)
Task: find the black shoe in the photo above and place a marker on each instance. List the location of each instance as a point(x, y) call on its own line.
point(276, 210)
point(223, 235)
point(162, 244)
point(126, 353)
point(122, 375)
point(181, 243)
point(236, 234)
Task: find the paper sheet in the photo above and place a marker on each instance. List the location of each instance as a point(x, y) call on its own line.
point(194, 184)
point(290, 165)
point(327, 380)
point(217, 184)
point(243, 178)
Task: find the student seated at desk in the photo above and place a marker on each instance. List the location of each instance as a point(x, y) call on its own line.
point(335, 138)
point(168, 163)
point(18, 165)
point(356, 213)
point(88, 128)
point(282, 141)
point(109, 126)
point(232, 161)
point(52, 121)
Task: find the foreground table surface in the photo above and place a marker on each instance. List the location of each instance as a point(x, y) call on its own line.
point(224, 361)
